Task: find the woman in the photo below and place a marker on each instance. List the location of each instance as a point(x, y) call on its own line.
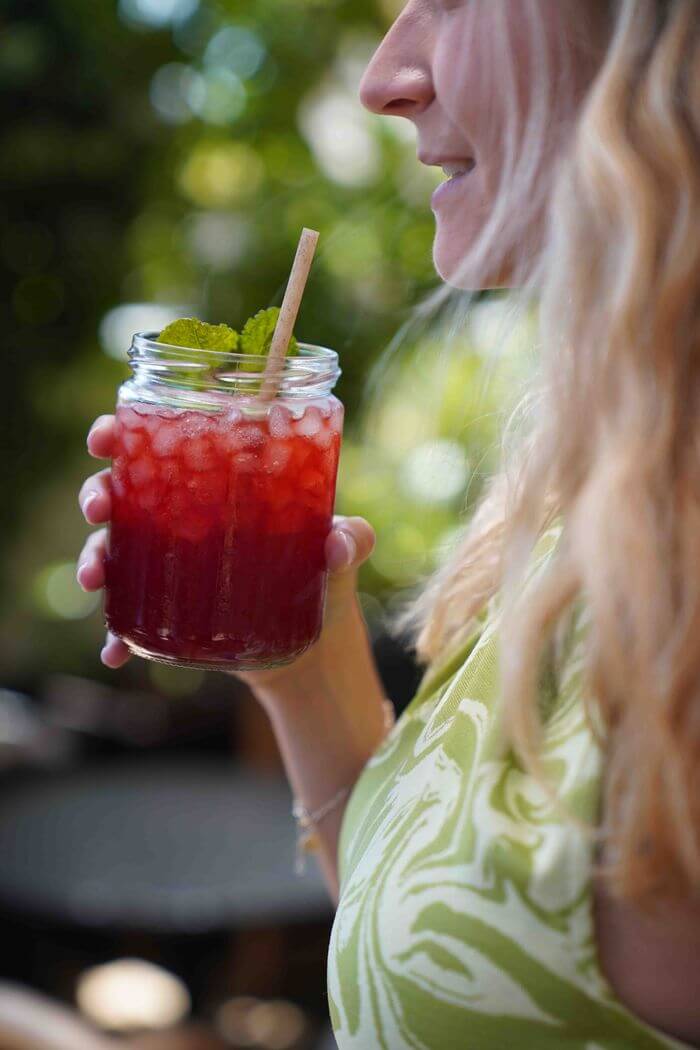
point(477, 909)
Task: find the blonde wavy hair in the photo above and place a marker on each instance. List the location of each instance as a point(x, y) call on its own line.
point(608, 439)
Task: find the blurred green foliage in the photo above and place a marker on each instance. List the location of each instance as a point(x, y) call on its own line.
point(160, 157)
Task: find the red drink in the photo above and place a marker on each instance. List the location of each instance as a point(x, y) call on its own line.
point(218, 529)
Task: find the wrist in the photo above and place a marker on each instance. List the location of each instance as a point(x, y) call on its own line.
point(287, 691)
point(340, 660)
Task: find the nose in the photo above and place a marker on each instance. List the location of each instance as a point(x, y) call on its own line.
point(398, 81)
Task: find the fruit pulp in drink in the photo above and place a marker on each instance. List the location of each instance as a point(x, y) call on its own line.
point(219, 521)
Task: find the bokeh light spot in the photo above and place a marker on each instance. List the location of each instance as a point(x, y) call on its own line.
point(250, 1022)
point(217, 239)
point(435, 472)
point(237, 49)
point(156, 14)
point(337, 131)
point(401, 554)
point(219, 174)
point(58, 596)
point(131, 994)
point(23, 52)
point(222, 99)
point(497, 330)
point(121, 322)
point(176, 91)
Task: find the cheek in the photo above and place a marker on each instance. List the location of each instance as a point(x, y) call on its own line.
point(469, 90)
point(469, 78)
point(490, 116)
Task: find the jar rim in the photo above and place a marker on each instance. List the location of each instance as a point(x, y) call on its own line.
point(314, 371)
point(147, 342)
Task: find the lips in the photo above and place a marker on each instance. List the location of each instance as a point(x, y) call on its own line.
point(456, 170)
point(450, 165)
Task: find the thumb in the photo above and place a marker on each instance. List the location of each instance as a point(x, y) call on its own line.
point(348, 546)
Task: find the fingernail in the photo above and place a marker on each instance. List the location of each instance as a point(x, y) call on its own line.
point(89, 500)
point(94, 428)
point(79, 573)
point(350, 548)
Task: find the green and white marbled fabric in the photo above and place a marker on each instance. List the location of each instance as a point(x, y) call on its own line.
point(465, 918)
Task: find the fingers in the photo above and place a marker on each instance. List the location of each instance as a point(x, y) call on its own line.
point(91, 563)
point(100, 440)
point(114, 653)
point(95, 498)
point(349, 545)
point(96, 504)
point(91, 577)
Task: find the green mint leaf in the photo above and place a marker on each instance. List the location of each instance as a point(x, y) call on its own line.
point(198, 335)
point(193, 334)
point(256, 337)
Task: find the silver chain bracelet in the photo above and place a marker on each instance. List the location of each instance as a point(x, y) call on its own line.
point(307, 821)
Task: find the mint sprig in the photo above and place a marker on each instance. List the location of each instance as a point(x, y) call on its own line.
point(198, 335)
point(209, 339)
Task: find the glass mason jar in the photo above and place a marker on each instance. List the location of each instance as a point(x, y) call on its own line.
point(221, 505)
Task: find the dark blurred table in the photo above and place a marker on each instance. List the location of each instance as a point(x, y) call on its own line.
point(173, 846)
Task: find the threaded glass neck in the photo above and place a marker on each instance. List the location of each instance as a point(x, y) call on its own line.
point(312, 372)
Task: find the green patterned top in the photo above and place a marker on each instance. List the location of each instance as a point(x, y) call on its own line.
point(465, 915)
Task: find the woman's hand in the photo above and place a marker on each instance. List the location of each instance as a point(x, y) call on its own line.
point(349, 544)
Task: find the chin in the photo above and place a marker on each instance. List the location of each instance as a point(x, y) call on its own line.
point(448, 260)
point(450, 268)
point(449, 254)
point(448, 271)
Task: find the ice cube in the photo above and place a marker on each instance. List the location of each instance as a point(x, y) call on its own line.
point(280, 422)
point(134, 441)
point(251, 436)
point(276, 456)
point(142, 471)
point(165, 440)
point(169, 470)
point(128, 418)
point(246, 462)
point(324, 436)
point(150, 415)
point(229, 441)
point(310, 424)
point(198, 454)
point(336, 420)
point(194, 424)
point(148, 498)
point(208, 488)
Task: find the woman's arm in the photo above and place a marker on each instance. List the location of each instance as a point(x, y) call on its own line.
point(653, 961)
point(329, 719)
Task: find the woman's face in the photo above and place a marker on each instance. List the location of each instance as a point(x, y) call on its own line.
point(438, 66)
